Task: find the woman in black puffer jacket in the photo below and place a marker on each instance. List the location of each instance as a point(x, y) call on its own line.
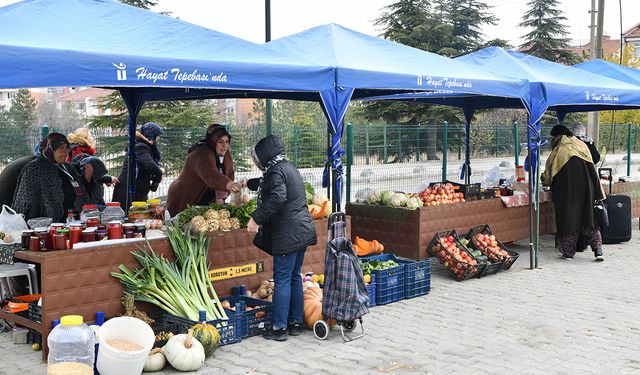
point(286, 229)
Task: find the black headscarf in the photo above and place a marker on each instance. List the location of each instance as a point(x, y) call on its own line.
point(51, 143)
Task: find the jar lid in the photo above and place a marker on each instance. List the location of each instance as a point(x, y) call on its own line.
point(89, 207)
point(62, 231)
point(115, 222)
point(89, 230)
point(57, 225)
point(25, 231)
point(154, 201)
point(113, 204)
point(71, 320)
point(128, 225)
point(76, 224)
point(139, 204)
point(41, 229)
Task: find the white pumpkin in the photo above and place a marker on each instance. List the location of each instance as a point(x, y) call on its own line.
point(184, 353)
point(155, 361)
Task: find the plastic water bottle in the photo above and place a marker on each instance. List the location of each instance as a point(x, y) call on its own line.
point(71, 347)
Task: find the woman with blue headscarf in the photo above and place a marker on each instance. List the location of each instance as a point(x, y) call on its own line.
point(148, 166)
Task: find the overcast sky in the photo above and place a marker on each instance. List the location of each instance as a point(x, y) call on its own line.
point(245, 18)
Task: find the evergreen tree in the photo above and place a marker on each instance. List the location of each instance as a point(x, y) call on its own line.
point(23, 109)
point(445, 27)
point(547, 39)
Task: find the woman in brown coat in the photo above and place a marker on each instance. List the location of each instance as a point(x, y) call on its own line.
point(207, 175)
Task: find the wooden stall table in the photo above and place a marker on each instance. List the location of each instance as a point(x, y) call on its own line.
point(79, 281)
point(408, 232)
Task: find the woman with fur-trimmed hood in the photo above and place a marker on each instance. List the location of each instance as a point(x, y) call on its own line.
point(149, 168)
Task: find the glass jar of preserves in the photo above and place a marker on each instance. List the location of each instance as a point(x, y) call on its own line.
point(101, 235)
point(141, 230)
point(114, 230)
point(113, 211)
point(90, 215)
point(129, 230)
point(157, 209)
point(89, 235)
point(75, 233)
point(139, 211)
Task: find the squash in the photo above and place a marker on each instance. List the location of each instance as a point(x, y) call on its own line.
point(184, 353)
point(208, 336)
point(313, 307)
point(155, 361)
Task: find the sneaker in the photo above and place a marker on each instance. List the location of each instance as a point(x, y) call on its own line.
point(275, 334)
point(295, 329)
point(598, 254)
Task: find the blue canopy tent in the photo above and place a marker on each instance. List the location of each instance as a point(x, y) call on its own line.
point(552, 86)
point(367, 66)
point(611, 70)
point(147, 56)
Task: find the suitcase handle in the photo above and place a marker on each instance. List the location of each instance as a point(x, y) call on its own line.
point(609, 175)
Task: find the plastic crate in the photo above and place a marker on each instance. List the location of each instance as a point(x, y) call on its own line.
point(228, 329)
point(417, 277)
point(253, 322)
point(35, 312)
point(461, 270)
point(371, 289)
point(506, 262)
point(390, 282)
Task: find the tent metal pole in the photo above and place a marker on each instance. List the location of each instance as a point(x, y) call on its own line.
point(267, 38)
point(537, 244)
point(531, 250)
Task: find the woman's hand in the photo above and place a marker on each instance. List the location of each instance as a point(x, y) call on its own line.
point(234, 187)
point(252, 227)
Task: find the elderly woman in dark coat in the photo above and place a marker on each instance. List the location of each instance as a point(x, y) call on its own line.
point(573, 179)
point(149, 170)
point(47, 186)
point(285, 230)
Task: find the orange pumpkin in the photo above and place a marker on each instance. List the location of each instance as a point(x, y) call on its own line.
point(313, 307)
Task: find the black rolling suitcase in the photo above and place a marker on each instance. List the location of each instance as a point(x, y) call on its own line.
point(619, 211)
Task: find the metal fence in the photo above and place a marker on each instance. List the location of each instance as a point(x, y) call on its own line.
point(378, 157)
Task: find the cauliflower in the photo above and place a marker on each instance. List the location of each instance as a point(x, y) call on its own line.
point(225, 224)
point(213, 225)
point(211, 214)
point(385, 197)
point(414, 203)
point(319, 198)
point(398, 200)
point(224, 214)
point(199, 224)
point(374, 197)
point(235, 223)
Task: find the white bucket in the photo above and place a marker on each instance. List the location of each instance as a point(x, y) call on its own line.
point(117, 362)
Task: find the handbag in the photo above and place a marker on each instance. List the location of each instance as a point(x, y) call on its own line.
point(262, 240)
point(601, 214)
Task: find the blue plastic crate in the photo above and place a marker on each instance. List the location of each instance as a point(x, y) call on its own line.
point(228, 329)
point(390, 282)
point(371, 288)
point(255, 321)
point(417, 277)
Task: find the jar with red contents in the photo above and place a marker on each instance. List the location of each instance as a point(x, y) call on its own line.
point(53, 229)
point(75, 233)
point(114, 230)
point(90, 215)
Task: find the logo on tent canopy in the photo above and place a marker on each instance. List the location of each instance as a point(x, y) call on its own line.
point(600, 97)
point(443, 82)
point(121, 71)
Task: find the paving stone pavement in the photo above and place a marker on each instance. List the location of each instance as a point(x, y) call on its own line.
point(567, 317)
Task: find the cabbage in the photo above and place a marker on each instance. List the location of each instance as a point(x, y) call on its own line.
point(319, 198)
point(374, 197)
point(414, 203)
point(386, 197)
point(398, 200)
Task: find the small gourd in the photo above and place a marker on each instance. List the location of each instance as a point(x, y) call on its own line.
point(208, 336)
point(155, 361)
point(184, 353)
